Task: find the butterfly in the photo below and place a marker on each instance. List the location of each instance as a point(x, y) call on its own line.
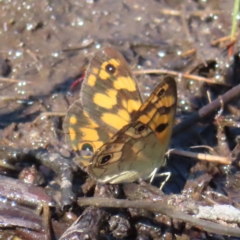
point(118, 137)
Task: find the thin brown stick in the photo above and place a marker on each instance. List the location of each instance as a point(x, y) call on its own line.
point(170, 12)
point(202, 156)
point(46, 220)
point(185, 25)
point(174, 73)
point(222, 39)
point(162, 208)
point(35, 59)
point(198, 13)
point(53, 114)
point(189, 52)
point(233, 110)
point(186, 30)
point(13, 80)
point(49, 114)
point(13, 98)
point(208, 109)
point(76, 48)
point(204, 146)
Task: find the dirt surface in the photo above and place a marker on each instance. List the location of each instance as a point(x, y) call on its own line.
point(34, 35)
point(45, 46)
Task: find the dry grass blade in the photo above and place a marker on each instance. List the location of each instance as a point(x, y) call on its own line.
point(202, 156)
point(49, 114)
point(13, 80)
point(182, 75)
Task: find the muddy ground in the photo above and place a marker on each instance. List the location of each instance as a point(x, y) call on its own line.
point(44, 48)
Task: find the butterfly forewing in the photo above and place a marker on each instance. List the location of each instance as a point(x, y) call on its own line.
point(109, 92)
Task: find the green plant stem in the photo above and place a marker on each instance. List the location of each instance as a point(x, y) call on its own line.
point(234, 19)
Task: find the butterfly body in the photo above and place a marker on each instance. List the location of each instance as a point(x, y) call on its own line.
point(119, 138)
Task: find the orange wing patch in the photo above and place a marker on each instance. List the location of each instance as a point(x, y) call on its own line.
point(159, 110)
point(82, 134)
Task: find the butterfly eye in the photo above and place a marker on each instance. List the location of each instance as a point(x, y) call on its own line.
point(160, 94)
point(110, 68)
point(105, 158)
point(87, 147)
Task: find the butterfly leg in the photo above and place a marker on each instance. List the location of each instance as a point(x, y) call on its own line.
point(168, 175)
point(153, 175)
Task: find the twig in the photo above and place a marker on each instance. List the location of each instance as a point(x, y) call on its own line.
point(13, 98)
point(35, 59)
point(46, 220)
point(189, 52)
point(185, 25)
point(13, 80)
point(204, 146)
point(174, 73)
point(170, 12)
point(233, 110)
point(207, 110)
point(49, 114)
point(222, 39)
point(202, 156)
point(161, 208)
point(77, 48)
point(199, 13)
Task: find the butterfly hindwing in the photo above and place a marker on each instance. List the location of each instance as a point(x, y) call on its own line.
point(159, 110)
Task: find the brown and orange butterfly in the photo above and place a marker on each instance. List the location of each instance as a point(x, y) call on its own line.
point(117, 137)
